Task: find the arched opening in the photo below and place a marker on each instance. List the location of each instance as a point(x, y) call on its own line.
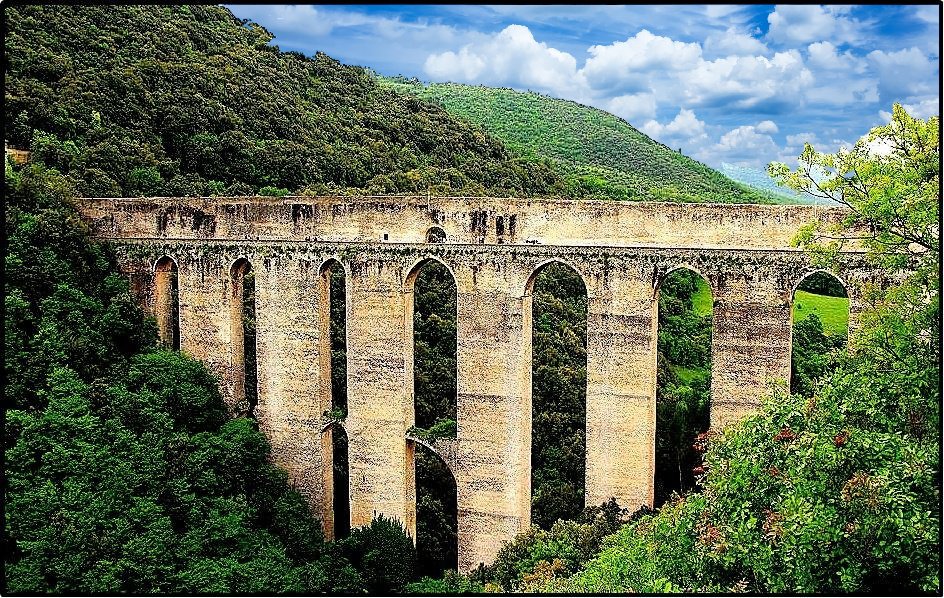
point(820, 326)
point(437, 523)
point(334, 329)
point(557, 298)
point(435, 235)
point(167, 302)
point(244, 335)
point(683, 391)
point(430, 293)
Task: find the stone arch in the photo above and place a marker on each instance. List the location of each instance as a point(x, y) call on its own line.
point(540, 266)
point(681, 266)
point(436, 234)
point(332, 335)
point(683, 392)
point(548, 409)
point(437, 473)
point(243, 337)
point(806, 273)
point(167, 301)
point(833, 312)
point(409, 287)
point(336, 510)
point(433, 404)
point(417, 265)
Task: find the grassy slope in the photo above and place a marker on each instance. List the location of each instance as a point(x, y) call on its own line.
point(599, 151)
point(833, 312)
point(702, 300)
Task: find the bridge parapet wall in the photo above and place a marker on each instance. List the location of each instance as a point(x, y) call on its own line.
point(464, 220)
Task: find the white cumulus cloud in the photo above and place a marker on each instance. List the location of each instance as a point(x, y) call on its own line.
point(633, 107)
point(625, 63)
point(734, 43)
point(750, 81)
point(792, 23)
point(905, 73)
point(511, 57)
point(685, 129)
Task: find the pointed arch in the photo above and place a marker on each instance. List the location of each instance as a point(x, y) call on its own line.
point(819, 325)
point(430, 298)
point(332, 318)
point(683, 383)
point(554, 314)
point(243, 335)
point(167, 302)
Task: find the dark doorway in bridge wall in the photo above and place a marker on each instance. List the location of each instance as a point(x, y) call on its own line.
point(431, 298)
point(167, 302)
point(244, 333)
point(334, 274)
point(558, 298)
point(820, 314)
point(683, 391)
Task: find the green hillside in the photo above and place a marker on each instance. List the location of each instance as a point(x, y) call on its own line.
point(189, 100)
point(833, 312)
point(599, 153)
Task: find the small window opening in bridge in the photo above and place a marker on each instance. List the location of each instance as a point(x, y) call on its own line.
point(557, 299)
point(820, 328)
point(386, 237)
point(500, 225)
point(435, 235)
point(167, 302)
point(683, 391)
point(430, 293)
point(244, 334)
point(334, 328)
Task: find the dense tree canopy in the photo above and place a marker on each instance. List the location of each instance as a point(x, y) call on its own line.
point(189, 100)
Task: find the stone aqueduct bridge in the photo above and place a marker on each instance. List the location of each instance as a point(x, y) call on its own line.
point(494, 248)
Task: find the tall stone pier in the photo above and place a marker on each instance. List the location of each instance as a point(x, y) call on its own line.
point(493, 248)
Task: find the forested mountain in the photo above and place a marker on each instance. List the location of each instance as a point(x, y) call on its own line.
point(600, 154)
point(188, 100)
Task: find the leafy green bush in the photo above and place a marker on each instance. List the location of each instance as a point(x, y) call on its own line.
point(383, 553)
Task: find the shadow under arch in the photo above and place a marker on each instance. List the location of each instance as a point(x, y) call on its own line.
point(683, 382)
point(819, 326)
point(332, 318)
point(167, 301)
point(243, 335)
point(554, 316)
point(430, 300)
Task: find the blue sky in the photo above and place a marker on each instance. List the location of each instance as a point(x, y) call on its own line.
point(744, 84)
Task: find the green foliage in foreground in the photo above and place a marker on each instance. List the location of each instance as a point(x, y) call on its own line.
point(124, 473)
point(600, 154)
point(189, 100)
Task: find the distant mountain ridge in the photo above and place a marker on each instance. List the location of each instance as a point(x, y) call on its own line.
point(599, 153)
point(759, 179)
